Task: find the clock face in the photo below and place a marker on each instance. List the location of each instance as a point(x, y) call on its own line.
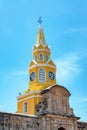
point(32, 76)
point(51, 75)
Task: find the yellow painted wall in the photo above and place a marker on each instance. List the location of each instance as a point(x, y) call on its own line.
point(31, 101)
point(36, 85)
point(37, 53)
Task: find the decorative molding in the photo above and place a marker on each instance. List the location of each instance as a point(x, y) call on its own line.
point(41, 50)
point(29, 98)
point(42, 84)
point(33, 92)
point(40, 65)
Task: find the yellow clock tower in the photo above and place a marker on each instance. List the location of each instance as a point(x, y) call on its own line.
point(42, 74)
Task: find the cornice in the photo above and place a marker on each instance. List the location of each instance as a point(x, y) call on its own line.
point(41, 65)
point(36, 50)
point(32, 92)
point(20, 100)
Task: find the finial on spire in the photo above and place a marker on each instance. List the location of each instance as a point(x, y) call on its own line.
point(39, 20)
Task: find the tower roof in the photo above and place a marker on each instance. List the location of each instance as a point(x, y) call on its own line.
point(40, 37)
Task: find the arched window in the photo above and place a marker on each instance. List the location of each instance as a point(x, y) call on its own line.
point(46, 57)
point(35, 58)
point(25, 107)
point(42, 75)
point(41, 57)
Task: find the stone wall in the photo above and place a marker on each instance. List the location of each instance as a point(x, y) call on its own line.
point(55, 101)
point(14, 121)
point(9, 121)
point(54, 122)
point(53, 113)
point(82, 125)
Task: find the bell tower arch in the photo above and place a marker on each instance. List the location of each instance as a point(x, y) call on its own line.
point(61, 128)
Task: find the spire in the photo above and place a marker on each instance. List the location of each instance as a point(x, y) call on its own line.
point(40, 36)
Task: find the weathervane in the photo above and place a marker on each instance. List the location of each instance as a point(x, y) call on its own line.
point(39, 20)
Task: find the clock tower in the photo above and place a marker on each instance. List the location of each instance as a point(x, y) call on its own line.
point(42, 74)
point(42, 70)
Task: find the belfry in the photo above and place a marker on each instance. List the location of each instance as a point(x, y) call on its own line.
point(42, 74)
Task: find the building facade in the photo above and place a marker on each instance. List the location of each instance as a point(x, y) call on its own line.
point(42, 74)
point(44, 105)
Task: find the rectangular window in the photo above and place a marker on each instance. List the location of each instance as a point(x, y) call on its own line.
point(25, 107)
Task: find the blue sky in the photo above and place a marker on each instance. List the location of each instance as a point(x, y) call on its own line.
point(65, 29)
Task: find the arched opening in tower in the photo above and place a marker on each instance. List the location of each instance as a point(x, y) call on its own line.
point(61, 128)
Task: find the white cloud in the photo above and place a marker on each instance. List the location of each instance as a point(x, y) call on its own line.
point(79, 100)
point(83, 99)
point(67, 67)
